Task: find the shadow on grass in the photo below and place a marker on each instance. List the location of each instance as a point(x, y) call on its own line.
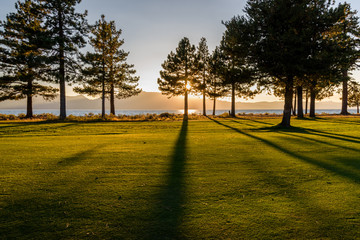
point(253, 120)
point(342, 121)
point(336, 136)
point(169, 211)
point(79, 157)
point(42, 209)
point(352, 175)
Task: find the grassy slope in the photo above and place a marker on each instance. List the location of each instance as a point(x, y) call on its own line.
point(222, 179)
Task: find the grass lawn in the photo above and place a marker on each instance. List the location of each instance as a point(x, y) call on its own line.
point(208, 179)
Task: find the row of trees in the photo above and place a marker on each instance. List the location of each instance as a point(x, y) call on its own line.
point(39, 45)
point(280, 46)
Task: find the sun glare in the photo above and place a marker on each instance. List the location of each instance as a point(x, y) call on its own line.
point(188, 86)
point(190, 111)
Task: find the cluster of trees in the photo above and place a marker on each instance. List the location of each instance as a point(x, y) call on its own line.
point(39, 46)
point(287, 47)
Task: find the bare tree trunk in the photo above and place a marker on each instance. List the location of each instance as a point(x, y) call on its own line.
point(357, 105)
point(62, 67)
point(312, 102)
point(186, 106)
point(204, 93)
point(103, 91)
point(112, 99)
point(294, 107)
point(300, 112)
point(232, 113)
point(289, 92)
point(204, 103)
point(29, 107)
point(214, 107)
point(344, 106)
point(103, 100)
point(307, 101)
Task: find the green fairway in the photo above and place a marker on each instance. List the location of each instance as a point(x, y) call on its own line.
point(209, 179)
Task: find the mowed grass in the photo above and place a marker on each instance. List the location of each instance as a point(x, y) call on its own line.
point(212, 179)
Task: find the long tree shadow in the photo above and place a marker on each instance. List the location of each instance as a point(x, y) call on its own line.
point(253, 120)
point(169, 211)
point(29, 212)
point(293, 131)
point(342, 121)
point(352, 175)
point(336, 136)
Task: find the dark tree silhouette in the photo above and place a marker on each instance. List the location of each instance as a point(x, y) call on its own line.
point(202, 63)
point(67, 30)
point(346, 33)
point(239, 73)
point(287, 39)
point(22, 55)
point(215, 86)
point(179, 71)
point(106, 73)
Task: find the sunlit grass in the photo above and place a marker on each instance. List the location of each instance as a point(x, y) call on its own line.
point(216, 178)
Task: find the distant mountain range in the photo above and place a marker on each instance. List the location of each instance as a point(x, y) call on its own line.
point(151, 101)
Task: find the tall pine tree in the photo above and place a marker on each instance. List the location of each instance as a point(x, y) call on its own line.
point(288, 41)
point(346, 33)
point(202, 63)
point(67, 30)
point(179, 71)
point(22, 55)
point(106, 72)
point(239, 73)
point(354, 95)
point(215, 87)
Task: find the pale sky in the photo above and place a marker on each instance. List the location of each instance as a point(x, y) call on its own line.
point(153, 28)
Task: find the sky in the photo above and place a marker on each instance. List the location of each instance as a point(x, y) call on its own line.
point(153, 28)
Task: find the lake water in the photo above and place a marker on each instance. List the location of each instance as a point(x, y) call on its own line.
point(82, 112)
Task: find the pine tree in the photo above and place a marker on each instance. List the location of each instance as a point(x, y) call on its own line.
point(354, 95)
point(239, 74)
point(123, 83)
point(106, 73)
point(215, 87)
point(67, 30)
point(202, 63)
point(288, 42)
point(346, 33)
point(179, 71)
point(93, 77)
point(22, 58)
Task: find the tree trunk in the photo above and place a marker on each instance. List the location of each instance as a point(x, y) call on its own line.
point(307, 101)
point(294, 108)
point(186, 106)
point(300, 112)
point(204, 93)
point(103, 99)
point(289, 92)
point(357, 105)
point(344, 106)
point(62, 67)
point(204, 103)
point(312, 102)
point(112, 100)
point(103, 91)
point(232, 113)
point(29, 108)
point(214, 107)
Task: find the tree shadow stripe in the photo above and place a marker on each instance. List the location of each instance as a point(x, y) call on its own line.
point(168, 212)
point(355, 177)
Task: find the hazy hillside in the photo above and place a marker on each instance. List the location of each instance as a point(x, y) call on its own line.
point(150, 100)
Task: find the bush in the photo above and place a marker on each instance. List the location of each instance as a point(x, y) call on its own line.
point(165, 115)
